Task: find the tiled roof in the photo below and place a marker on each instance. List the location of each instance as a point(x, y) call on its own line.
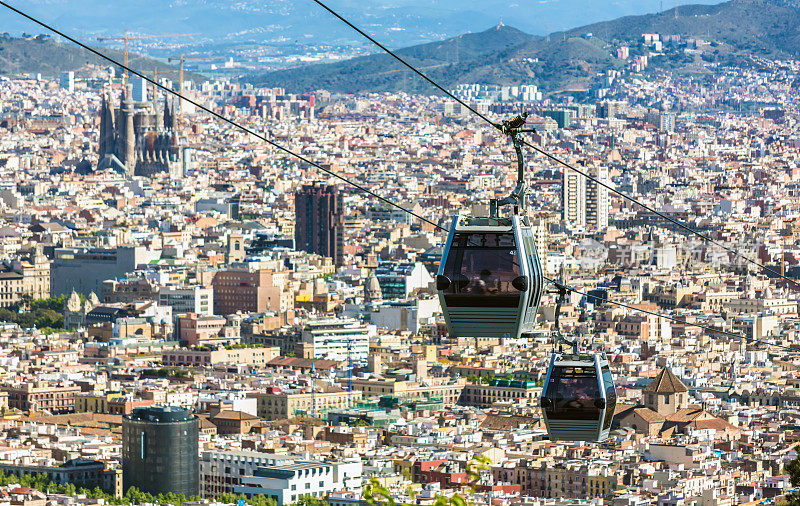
point(233, 415)
point(301, 363)
point(648, 415)
point(688, 415)
point(665, 383)
point(507, 423)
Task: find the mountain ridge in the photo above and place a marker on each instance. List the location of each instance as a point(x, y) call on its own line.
point(567, 59)
point(43, 55)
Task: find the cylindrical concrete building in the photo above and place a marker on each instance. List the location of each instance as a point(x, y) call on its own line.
point(160, 451)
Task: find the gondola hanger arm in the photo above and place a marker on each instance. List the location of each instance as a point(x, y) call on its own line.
point(561, 290)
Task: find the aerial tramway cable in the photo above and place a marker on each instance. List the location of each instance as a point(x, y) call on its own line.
point(557, 160)
point(711, 330)
point(214, 113)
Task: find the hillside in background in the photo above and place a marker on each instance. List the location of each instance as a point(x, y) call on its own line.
point(764, 27)
point(381, 72)
point(275, 22)
point(43, 55)
point(565, 60)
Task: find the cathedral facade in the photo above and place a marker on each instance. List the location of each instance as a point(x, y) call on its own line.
point(137, 139)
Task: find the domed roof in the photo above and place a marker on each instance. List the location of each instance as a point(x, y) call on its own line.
point(372, 288)
point(74, 302)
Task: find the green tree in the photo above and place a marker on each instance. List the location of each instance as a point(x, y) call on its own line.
point(53, 303)
point(377, 494)
point(793, 470)
point(486, 379)
point(261, 500)
point(70, 489)
point(310, 500)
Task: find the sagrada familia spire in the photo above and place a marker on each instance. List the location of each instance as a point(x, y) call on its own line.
point(136, 139)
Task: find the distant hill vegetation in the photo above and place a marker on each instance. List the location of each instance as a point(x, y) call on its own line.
point(564, 60)
point(381, 72)
point(41, 54)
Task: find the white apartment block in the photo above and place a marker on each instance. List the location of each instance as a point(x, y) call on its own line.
point(279, 477)
point(187, 299)
point(585, 204)
point(334, 339)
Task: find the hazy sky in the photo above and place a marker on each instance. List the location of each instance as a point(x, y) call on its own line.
point(400, 21)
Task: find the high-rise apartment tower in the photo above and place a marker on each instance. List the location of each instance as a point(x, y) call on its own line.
point(319, 221)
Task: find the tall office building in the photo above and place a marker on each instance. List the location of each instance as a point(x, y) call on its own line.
point(139, 89)
point(67, 81)
point(319, 221)
point(664, 121)
point(246, 289)
point(573, 198)
point(597, 201)
point(585, 204)
point(335, 339)
point(85, 269)
point(160, 451)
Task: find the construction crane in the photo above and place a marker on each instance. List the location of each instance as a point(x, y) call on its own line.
point(125, 38)
point(155, 86)
point(182, 59)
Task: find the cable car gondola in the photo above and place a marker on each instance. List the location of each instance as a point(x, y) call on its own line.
point(490, 280)
point(578, 398)
point(490, 283)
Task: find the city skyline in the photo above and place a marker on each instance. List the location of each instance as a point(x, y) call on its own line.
point(499, 294)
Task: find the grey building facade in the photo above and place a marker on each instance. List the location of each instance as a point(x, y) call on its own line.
point(84, 269)
point(160, 451)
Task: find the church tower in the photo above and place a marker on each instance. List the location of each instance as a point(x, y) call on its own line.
point(128, 136)
point(235, 252)
point(107, 127)
point(666, 394)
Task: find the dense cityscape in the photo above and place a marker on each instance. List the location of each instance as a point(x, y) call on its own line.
point(189, 315)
